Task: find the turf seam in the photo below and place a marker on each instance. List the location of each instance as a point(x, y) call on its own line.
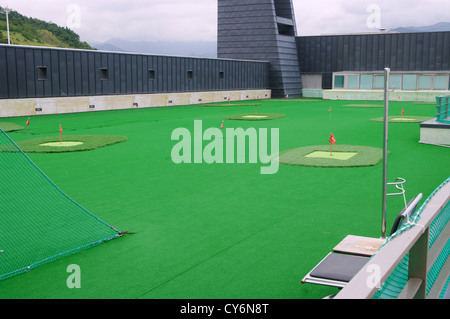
point(202, 262)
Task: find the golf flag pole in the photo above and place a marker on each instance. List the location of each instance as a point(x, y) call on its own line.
point(28, 125)
point(221, 125)
point(332, 141)
point(60, 133)
point(387, 72)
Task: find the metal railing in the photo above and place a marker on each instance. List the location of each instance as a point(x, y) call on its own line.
point(414, 240)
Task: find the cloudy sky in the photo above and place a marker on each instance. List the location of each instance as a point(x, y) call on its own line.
point(194, 20)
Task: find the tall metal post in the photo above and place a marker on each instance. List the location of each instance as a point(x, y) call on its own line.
point(387, 72)
point(6, 11)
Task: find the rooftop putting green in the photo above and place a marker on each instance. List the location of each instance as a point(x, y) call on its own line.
point(220, 230)
point(342, 156)
point(339, 156)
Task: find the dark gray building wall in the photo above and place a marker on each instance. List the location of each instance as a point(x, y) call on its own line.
point(87, 73)
point(426, 51)
point(262, 30)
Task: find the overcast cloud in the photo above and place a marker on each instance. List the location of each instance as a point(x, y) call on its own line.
point(196, 20)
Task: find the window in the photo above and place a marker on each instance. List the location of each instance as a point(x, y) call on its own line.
point(339, 81)
point(103, 74)
point(41, 73)
point(379, 82)
point(409, 82)
point(395, 82)
point(151, 74)
point(352, 82)
point(221, 75)
point(366, 82)
point(440, 82)
point(425, 82)
point(189, 75)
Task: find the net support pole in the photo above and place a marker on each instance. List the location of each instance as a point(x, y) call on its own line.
point(387, 72)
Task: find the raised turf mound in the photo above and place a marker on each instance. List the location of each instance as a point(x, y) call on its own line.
point(341, 156)
point(69, 143)
point(255, 116)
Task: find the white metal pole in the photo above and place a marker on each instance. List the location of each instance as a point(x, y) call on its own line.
point(7, 10)
point(387, 72)
point(7, 27)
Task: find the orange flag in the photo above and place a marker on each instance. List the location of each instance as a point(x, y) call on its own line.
point(28, 121)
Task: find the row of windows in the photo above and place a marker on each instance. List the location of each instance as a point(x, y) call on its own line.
point(42, 74)
point(406, 81)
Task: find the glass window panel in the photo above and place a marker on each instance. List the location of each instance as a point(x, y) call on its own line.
point(352, 82)
point(366, 82)
point(339, 81)
point(379, 82)
point(409, 82)
point(440, 82)
point(395, 82)
point(425, 82)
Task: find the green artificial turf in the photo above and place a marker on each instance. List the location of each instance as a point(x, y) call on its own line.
point(10, 127)
point(228, 104)
point(220, 230)
point(364, 105)
point(86, 143)
point(404, 119)
point(365, 156)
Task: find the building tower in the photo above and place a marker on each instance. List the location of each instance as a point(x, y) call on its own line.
point(263, 30)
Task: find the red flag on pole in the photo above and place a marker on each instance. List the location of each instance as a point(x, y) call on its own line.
point(221, 126)
point(403, 111)
point(287, 96)
point(332, 141)
point(28, 121)
point(60, 132)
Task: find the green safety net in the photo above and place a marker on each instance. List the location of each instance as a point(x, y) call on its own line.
point(443, 109)
point(38, 222)
point(397, 280)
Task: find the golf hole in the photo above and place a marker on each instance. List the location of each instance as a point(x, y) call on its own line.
point(342, 156)
point(61, 144)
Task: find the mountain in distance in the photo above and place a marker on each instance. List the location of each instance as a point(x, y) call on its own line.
point(32, 31)
point(202, 49)
point(438, 27)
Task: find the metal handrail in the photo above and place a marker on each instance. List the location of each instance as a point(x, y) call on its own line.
point(399, 185)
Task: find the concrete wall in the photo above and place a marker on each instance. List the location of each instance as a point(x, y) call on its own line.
point(58, 105)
